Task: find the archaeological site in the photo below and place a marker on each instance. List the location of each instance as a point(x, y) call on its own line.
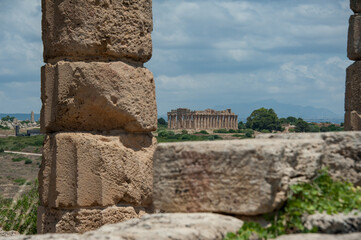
point(103, 175)
point(183, 118)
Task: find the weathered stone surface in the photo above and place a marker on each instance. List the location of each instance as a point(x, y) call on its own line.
point(8, 233)
point(97, 29)
point(352, 121)
point(341, 154)
point(334, 224)
point(352, 236)
point(180, 226)
point(84, 169)
point(247, 177)
point(79, 96)
point(355, 6)
point(353, 87)
point(354, 38)
point(82, 220)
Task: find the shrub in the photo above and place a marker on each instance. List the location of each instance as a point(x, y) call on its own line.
point(184, 132)
point(1, 150)
point(203, 132)
point(220, 131)
point(19, 159)
point(217, 137)
point(232, 131)
point(28, 161)
point(321, 195)
point(265, 131)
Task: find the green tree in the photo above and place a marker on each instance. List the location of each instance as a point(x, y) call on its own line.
point(263, 118)
point(302, 126)
point(8, 118)
point(314, 127)
point(292, 120)
point(162, 122)
point(241, 125)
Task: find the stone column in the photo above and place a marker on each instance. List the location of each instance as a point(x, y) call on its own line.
point(98, 112)
point(169, 120)
point(353, 73)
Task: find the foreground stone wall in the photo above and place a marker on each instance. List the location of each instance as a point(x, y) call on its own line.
point(248, 177)
point(353, 73)
point(98, 111)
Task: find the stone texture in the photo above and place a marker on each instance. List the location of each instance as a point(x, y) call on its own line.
point(355, 6)
point(354, 38)
point(334, 224)
point(352, 236)
point(8, 233)
point(352, 121)
point(79, 96)
point(353, 87)
point(180, 226)
point(247, 177)
point(84, 169)
point(82, 220)
point(97, 29)
point(341, 154)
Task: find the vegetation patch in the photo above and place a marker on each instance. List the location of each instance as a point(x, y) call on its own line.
point(20, 215)
point(19, 143)
point(170, 136)
point(19, 159)
point(322, 195)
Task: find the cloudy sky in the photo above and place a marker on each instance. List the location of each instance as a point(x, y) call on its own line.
point(207, 53)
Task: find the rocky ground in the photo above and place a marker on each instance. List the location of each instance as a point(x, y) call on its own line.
point(14, 174)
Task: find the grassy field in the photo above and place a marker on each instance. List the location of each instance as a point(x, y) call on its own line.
point(165, 135)
point(26, 144)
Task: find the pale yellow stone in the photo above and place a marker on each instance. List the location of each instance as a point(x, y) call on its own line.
point(354, 38)
point(97, 29)
point(80, 96)
point(84, 170)
point(84, 219)
point(244, 177)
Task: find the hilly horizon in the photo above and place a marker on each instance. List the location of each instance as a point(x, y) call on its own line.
point(308, 113)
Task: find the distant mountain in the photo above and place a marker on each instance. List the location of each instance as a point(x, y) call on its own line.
point(21, 116)
point(308, 113)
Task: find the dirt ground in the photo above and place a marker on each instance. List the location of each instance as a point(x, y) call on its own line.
point(14, 174)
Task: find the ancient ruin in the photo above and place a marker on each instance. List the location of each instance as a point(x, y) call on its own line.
point(183, 118)
point(98, 112)
point(353, 73)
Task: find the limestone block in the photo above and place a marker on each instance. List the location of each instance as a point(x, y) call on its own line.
point(353, 87)
point(316, 236)
point(97, 29)
point(334, 224)
point(84, 169)
point(84, 219)
point(247, 177)
point(352, 121)
point(355, 6)
point(354, 38)
point(341, 154)
point(79, 96)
